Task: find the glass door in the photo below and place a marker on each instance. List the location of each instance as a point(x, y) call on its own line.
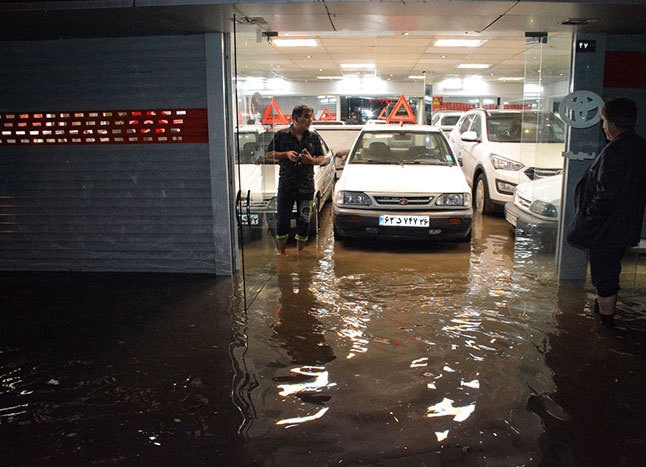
point(255, 177)
point(537, 197)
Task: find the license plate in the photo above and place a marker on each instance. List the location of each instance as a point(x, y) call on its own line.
point(254, 219)
point(387, 220)
point(513, 220)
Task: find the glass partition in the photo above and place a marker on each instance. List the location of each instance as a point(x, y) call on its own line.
point(535, 210)
point(256, 179)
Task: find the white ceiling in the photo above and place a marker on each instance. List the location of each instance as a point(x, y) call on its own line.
point(397, 36)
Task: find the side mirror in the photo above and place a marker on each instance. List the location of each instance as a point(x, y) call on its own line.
point(470, 136)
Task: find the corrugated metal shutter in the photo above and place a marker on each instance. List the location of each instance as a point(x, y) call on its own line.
point(106, 207)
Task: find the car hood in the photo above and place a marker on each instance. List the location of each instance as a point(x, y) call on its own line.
point(402, 179)
point(546, 189)
point(542, 155)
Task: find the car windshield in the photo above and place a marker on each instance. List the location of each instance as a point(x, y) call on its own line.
point(529, 127)
point(402, 147)
point(450, 119)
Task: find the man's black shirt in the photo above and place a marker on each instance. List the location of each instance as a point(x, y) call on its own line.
point(296, 177)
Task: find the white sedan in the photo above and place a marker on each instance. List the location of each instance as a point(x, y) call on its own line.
point(402, 182)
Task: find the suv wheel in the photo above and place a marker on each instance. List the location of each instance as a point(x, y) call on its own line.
point(481, 200)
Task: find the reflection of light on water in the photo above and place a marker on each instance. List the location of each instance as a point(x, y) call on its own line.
point(471, 384)
point(14, 410)
point(308, 418)
point(321, 380)
point(446, 409)
point(420, 362)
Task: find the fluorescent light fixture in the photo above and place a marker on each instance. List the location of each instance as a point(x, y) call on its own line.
point(329, 77)
point(510, 78)
point(474, 66)
point(416, 77)
point(294, 42)
point(459, 42)
point(452, 83)
point(358, 66)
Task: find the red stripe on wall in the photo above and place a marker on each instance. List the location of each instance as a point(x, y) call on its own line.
point(151, 126)
point(625, 70)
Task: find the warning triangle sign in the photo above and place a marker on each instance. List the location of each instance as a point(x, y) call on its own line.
point(404, 115)
point(382, 115)
point(270, 118)
point(326, 115)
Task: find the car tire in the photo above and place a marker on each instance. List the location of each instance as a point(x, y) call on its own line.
point(481, 201)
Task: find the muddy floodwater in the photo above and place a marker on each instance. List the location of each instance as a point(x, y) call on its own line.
point(356, 353)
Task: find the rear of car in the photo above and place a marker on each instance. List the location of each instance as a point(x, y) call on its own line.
point(402, 182)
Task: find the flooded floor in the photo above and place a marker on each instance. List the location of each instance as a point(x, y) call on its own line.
point(356, 353)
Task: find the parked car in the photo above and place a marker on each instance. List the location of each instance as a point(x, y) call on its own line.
point(341, 138)
point(252, 142)
point(446, 119)
point(535, 210)
point(316, 123)
point(260, 187)
point(402, 182)
point(499, 149)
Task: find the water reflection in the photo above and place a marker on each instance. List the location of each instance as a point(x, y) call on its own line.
point(438, 353)
point(359, 353)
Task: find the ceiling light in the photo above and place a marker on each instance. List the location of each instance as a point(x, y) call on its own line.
point(510, 78)
point(451, 83)
point(329, 77)
point(416, 77)
point(358, 66)
point(459, 42)
point(294, 42)
point(475, 66)
point(578, 21)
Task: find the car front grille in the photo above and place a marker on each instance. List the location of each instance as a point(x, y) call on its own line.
point(523, 202)
point(403, 200)
point(535, 172)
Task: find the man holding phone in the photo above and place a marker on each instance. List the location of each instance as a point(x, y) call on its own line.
point(297, 150)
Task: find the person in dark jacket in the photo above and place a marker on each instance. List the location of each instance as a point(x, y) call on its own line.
point(297, 150)
point(609, 203)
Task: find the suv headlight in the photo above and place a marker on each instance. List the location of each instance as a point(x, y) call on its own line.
point(353, 198)
point(454, 199)
point(502, 163)
point(543, 209)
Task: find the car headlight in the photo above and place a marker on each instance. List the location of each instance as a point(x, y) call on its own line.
point(544, 209)
point(454, 199)
point(502, 163)
point(353, 198)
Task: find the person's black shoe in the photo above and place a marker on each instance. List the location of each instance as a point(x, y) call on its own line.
point(608, 320)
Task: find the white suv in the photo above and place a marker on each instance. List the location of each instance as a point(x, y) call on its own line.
point(499, 149)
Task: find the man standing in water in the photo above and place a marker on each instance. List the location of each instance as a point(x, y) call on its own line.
point(297, 150)
point(609, 201)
